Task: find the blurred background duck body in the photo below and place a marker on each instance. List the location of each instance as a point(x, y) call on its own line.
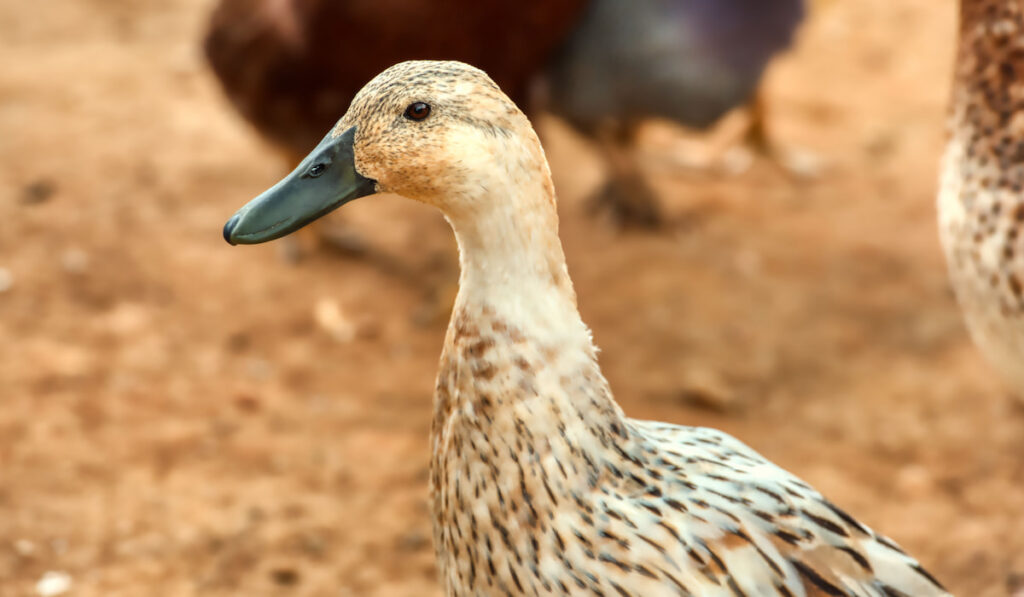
point(981, 197)
point(688, 61)
point(291, 67)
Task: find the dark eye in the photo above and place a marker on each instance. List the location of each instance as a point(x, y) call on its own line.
point(316, 170)
point(417, 111)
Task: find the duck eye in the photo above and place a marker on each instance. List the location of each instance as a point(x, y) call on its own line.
point(417, 111)
point(316, 170)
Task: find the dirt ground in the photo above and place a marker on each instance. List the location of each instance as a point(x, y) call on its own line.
point(179, 417)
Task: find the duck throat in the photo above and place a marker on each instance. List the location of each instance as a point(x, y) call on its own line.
point(511, 258)
point(516, 336)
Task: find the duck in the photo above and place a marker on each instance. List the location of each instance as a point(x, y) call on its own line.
point(980, 203)
point(539, 483)
point(603, 66)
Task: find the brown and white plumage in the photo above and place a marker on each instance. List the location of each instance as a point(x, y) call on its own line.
point(539, 484)
point(981, 197)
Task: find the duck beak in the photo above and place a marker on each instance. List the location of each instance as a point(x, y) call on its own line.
point(325, 180)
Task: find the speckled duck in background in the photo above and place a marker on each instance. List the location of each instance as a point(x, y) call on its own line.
point(981, 193)
point(539, 484)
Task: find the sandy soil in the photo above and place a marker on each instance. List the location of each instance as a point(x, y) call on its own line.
point(179, 417)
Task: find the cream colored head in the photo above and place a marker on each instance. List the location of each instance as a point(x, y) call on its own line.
point(438, 132)
point(471, 134)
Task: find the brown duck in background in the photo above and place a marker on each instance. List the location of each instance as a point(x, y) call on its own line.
point(291, 67)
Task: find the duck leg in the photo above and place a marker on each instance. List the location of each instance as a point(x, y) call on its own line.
point(626, 194)
point(757, 133)
point(737, 139)
point(793, 162)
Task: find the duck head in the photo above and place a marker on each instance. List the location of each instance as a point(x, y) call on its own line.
point(427, 130)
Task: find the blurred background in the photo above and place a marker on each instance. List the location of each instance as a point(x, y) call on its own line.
point(179, 417)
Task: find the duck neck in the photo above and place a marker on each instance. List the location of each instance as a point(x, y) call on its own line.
point(523, 417)
point(513, 267)
point(506, 224)
point(517, 350)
